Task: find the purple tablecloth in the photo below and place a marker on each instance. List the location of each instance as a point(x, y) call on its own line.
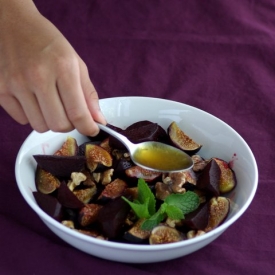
point(218, 56)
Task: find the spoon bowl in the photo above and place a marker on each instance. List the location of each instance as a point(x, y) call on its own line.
point(152, 155)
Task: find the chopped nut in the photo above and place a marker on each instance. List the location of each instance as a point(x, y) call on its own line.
point(162, 190)
point(173, 223)
point(76, 179)
point(178, 180)
point(118, 154)
point(199, 163)
point(175, 181)
point(126, 155)
point(193, 233)
point(97, 177)
point(68, 223)
point(106, 176)
point(89, 179)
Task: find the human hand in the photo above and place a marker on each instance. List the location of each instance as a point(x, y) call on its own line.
point(43, 81)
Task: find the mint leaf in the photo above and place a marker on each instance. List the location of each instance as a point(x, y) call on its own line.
point(186, 202)
point(144, 194)
point(174, 212)
point(141, 210)
point(153, 221)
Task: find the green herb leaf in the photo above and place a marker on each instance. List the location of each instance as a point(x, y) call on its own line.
point(175, 206)
point(144, 194)
point(174, 212)
point(141, 210)
point(153, 221)
point(186, 202)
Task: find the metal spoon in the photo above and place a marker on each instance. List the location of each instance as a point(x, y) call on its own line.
point(152, 155)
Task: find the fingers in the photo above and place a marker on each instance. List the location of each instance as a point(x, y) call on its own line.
point(31, 111)
point(74, 102)
point(90, 94)
point(59, 105)
point(12, 106)
point(52, 109)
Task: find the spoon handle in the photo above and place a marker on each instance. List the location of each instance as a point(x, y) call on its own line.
point(117, 135)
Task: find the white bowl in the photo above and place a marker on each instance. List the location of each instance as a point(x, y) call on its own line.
point(218, 139)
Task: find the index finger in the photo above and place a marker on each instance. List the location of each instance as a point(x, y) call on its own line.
point(74, 103)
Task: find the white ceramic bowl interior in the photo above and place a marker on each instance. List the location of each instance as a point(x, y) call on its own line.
point(218, 139)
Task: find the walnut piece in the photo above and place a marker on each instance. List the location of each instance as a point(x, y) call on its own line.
point(76, 179)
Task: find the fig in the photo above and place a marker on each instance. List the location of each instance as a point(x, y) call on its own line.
point(85, 194)
point(209, 179)
point(219, 208)
point(162, 234)
point(137, 235)
point(68, 148)
point(181, 140)
point(82, 147)
point(138, 172)
point(112, 216)
point(97, 155)
point(50, 205)
point(45, 182)
point(113, 190)
point(106, 145)
point(228, 179)
point(88, 214)
point(61, 166)
point(67, 198)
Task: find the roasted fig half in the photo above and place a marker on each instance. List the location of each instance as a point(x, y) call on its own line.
point(162, 234)
point(61, 166)
point(181, 140)
point(137, 235)
point(97, 155)
point(68, 148)
point(219, 208)
point(228, 179)
point(88, 214)
point(45, 182)
point(85, 194)
point(113, 190)
point(141, 173)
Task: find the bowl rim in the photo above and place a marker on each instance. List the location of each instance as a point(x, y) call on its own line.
point(137, 247)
